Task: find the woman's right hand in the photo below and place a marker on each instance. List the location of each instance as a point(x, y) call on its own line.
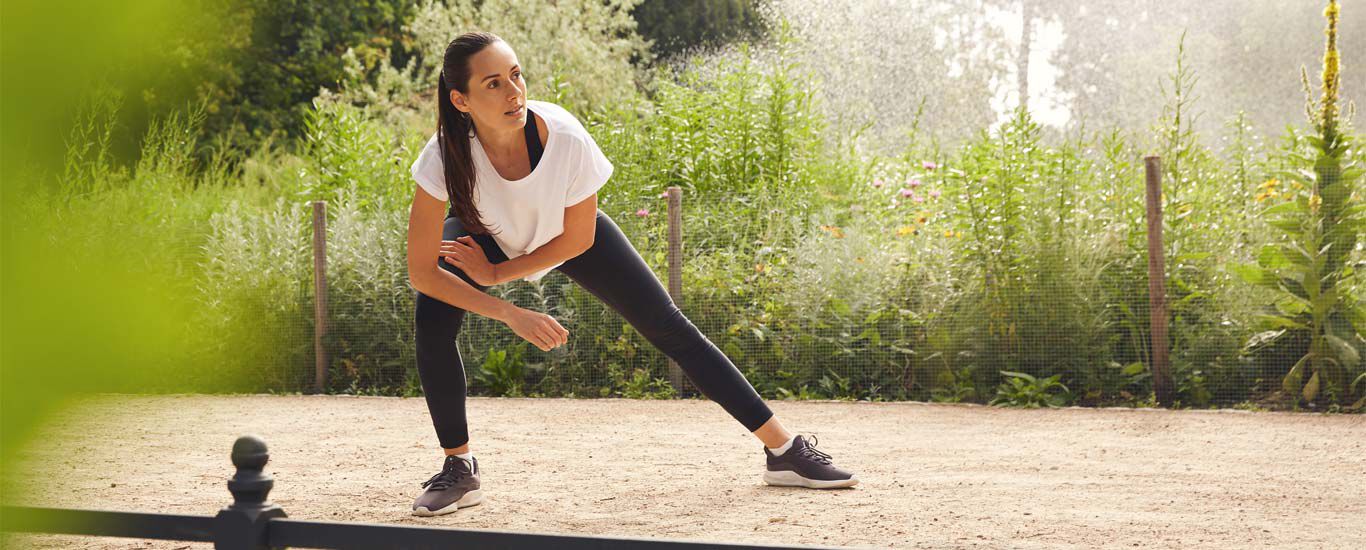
point(538, 328)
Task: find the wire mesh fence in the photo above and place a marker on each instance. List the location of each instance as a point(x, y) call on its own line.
point(820, 298)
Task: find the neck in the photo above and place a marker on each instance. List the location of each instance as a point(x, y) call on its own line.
point(502, 139)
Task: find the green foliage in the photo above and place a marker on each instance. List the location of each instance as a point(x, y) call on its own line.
point(501, 374)
point(1023, 390)
point(674, 27)
point(639, 385)
point(1309, 266)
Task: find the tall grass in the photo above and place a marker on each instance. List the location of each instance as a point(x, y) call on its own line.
point(954, 275)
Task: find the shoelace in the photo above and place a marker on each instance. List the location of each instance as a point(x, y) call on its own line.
point(809, 451)
point(451, 473)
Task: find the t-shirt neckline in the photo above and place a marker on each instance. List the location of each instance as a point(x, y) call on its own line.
point(550, 140)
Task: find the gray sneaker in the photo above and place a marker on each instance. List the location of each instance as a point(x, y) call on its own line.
point(803, 466)
point(455, 487)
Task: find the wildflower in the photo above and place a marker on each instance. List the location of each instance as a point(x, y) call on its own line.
point(643, 212)
point(918, 199)
point(877, 182)
point(1269, 184)
point(921, 219)
point(905, 230)
point(934, 193)
point(928, 165)
point(1314, 201)
point(914, 183)
point(958, 234)
point(948, 233)
point(760, 268)
point(664, 195)
point(859, 259)
point(907, 192)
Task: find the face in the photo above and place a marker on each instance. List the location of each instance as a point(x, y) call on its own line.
point(497, 96)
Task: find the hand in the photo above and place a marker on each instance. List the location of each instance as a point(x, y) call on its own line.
point(538, 328)
point(466, 254)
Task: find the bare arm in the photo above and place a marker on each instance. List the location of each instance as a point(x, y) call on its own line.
point(580, 223)
point(425, 221)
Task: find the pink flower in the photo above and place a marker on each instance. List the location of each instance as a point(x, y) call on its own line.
point(664, 195)
point(907, 192)
point(643, 212)
point(914, 182)
point(877, 182)
point(934, 193)
point(918, 198)
point(929, 165)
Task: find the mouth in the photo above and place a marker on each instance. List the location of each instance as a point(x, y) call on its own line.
point(517, 112)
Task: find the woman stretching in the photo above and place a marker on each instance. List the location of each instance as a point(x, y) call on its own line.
point(530, 168)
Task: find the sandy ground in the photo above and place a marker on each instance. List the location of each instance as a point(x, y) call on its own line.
point(935, 476)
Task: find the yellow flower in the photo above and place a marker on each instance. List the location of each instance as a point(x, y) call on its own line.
point(1269, 183)
point(921, 219)
point(760, 268)
point(948, 233)
point(905, 230)
point(1314, 201)
point(958, 234)
point(859, 259)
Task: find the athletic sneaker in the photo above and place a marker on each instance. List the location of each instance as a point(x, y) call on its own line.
point(455, 487)
point(803, 466)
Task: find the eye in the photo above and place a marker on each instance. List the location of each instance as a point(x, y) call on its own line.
point(519, 75)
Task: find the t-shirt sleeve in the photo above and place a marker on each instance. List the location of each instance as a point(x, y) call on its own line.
point(428, 172)
point(593, 171)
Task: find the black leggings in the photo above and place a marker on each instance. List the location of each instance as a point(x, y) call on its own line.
point(613, 271)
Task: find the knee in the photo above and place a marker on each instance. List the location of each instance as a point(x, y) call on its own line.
point(670, 326)
point(433, 316)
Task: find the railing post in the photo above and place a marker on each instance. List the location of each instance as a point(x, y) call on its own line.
point(319, 296)
point(243, 524)
point(1157, 282)
point(676, 272)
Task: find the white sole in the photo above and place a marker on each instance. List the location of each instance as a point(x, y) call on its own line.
point(470, 499)
point(789, 478)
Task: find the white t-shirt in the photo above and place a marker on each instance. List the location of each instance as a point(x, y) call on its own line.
point(527, 213)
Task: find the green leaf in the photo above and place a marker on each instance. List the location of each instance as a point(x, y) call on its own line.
point(1254, 274)
point(1295, 378)
point(1280, 322)
point(1311, 389)
point(1272, 257)
point(1031, 379)
point(1347, 355)
point(1134, 368)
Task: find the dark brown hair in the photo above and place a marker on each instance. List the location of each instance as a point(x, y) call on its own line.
point(455, 128)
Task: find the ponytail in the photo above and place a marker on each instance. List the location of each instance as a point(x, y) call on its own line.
point(455, 129)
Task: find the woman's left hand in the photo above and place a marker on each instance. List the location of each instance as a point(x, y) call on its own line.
point(466, 254)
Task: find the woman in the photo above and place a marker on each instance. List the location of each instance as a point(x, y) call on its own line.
point(531, 169)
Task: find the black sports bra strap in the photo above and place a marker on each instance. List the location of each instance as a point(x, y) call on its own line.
point(533, 139)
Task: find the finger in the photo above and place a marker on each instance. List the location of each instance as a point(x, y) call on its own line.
point(555, 339)
point(545, 336)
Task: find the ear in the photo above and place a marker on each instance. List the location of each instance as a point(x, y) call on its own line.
point(458, 99)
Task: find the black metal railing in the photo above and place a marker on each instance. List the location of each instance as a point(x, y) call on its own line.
point(253, 522)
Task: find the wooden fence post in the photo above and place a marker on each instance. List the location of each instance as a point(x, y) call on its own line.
point(676, 271)
point(1157, 283)
point(319, 295)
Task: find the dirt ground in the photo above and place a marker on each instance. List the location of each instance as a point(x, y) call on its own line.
point(933, 475)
